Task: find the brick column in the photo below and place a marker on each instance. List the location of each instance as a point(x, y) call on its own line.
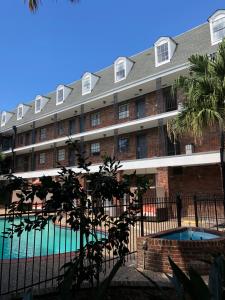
point(162, 182)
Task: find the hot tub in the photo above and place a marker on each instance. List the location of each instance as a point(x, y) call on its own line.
point(186, 246)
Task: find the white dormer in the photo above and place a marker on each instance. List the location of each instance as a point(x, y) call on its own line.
point(62, 92)
point(217, 26)
point(89, 81)
point(122, 67)
point(5, 117)
point(21, 111)
point(40, 102)
point(164, 50)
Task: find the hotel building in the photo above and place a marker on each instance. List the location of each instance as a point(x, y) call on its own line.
point(121, 111)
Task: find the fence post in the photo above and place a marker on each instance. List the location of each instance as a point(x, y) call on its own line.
point(179, 209)
point(142, 215)
point(196, 210)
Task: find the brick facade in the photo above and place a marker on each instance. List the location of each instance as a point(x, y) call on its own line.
point(153, 252)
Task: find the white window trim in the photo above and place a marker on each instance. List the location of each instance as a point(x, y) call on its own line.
point(61, 152)
point(3, 122)
point(218, 15)
point(122, 60)
point(42, 158)
point(37, 110)
point(18, 109)
point(94, 119)
point(127, 111)
point(164, 41)
point(93, 146)
point(84, 91)
point(57, 98)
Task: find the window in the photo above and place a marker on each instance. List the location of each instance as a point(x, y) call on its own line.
point(95, 119)
point(60, 96)
point(20, 139)
point(162, 53)
point(20, 112)
point(164, 50)
point(123, 144)
point(120, 70)
point(72, 127)
point(3, 119)
point(38, 105)
point(123, 111)
point(61, 154)
point(95, 148)
point(42, 158)
point(43, 134)
point(86, 85)
point(218, 29)
point(60, 128)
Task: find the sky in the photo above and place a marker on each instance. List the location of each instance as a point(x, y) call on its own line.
point(61, 41)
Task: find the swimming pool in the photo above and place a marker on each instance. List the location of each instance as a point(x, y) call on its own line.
point(53, 239)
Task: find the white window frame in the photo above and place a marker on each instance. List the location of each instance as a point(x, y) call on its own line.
point(123, 114)
point(61, 155)
point(84, 89)
point(120, 61)
point(95, 119)
point(36, 107)
point(58, 102)
point(215, 18)
point(122, 149)
point(3, 118)
point(95, 146)
point(20, 107)
point(42, 158)
point(43, 134)
point(163, 42)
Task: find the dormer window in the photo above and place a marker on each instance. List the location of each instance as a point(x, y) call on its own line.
point(122, 67)
point(163, 53)
point(20, 112)
point(164, 50)
point(40, 102)
point(62, 93)
point(86, 85)
point(89, 81)
point(3, 118)
point(38, 105)
point(120, 70)
point(60, 96)
point(217, 26)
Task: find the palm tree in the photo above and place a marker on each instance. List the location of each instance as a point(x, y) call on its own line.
point(204, 104)
point(34, 4)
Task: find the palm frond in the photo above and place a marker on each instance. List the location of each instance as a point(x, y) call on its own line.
point(204, 92)
point(34, 4)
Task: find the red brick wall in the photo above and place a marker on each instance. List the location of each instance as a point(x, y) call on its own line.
point(152, 253)
point(196, 180)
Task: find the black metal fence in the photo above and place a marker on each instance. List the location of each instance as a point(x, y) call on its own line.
point(35, 258)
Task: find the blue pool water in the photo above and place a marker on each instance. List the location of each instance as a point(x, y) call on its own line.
point(189, 235)
point(52, 240)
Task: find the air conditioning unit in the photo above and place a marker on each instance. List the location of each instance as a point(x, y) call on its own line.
point(189, 149)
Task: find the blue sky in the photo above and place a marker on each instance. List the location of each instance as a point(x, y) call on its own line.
point(62, 41)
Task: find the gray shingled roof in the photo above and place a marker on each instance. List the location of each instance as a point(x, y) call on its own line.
point(193, 41)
